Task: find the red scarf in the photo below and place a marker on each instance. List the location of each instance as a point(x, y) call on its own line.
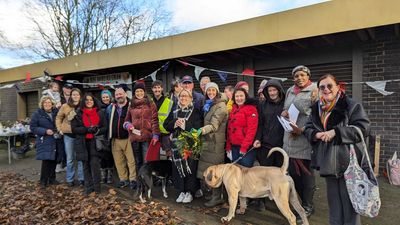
point(297, 89)
point(90, 118)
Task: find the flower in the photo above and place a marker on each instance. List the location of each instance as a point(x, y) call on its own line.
point(189, 144)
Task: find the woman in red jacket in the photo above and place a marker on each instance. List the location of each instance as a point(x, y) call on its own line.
point(242, 128)
point(142, 122)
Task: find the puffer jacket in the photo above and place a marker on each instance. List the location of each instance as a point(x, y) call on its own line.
point(332, 158)
point(143, 116)
point(213, 137)
point(242, 125)
point(46, 145)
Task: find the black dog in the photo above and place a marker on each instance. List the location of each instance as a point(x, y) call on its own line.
point(161, 169)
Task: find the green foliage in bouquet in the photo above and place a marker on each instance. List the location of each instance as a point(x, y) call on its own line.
point(189, 144)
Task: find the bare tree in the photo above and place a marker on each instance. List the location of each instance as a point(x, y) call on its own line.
point(70, 27)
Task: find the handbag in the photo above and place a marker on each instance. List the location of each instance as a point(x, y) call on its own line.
point(393, 170)
point(363, 188)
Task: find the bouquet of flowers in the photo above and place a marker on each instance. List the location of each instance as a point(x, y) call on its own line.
point(189, 144)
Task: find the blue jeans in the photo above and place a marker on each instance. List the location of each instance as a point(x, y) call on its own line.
point(247, 160)
point(70, 153)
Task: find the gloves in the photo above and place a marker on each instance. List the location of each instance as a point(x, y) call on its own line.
point(93, 130)
point(229, 154)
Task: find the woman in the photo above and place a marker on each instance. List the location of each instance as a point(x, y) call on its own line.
point(89, 122)
point(107, 161)
point(47, 150)
point(185, 117)
point(301, 95)
point(63, 123)
point(213, 139)
point(176, 88)
point(242, 128)
point(328, 130)
point(142, 122)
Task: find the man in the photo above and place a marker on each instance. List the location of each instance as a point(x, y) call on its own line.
point(198, 99)
point(66, 92)
point(203, 82)
point(228, 91)
point(164, 106)
point(121, 146)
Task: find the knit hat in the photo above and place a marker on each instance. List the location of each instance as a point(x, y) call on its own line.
point(138, 85)
point(301, 68)
point(241, 84)
point(212, 85)
point(107, 92)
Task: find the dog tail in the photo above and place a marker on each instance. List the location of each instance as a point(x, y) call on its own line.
point(285, 164)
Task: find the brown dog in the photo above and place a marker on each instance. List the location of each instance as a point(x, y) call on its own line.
point(257, 182)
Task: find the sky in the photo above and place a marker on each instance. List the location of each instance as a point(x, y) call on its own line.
point(187, 15)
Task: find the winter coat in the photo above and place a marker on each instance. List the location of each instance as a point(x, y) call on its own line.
point(270, 131)
point(195, 120)
point(198, 100)
point(298, 147)
point(47, 147)
point(332, 158)
point(213, 137)
point(143, 116)
point(116, 121)
point(242, 125)
point(80, 131)
point(64, 117)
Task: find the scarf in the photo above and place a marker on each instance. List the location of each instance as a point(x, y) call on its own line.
point(90, 118)
point(207, 105)
point(325, 109)
point(298, 89)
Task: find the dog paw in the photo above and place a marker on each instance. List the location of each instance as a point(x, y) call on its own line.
point(226, 219)
point(165, 196)
point(240, 211)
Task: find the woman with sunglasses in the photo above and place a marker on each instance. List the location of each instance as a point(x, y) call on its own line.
point(328, 130)
point(301, 95)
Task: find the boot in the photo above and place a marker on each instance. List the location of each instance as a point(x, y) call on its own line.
point(109, 176)
point(103, 173)
point(216, 198)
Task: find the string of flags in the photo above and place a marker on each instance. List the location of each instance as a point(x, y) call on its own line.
point(379, 86)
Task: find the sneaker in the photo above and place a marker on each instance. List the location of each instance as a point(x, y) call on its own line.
point(81, 183)
point(188, 198)
point(70, 184)
point(59, 168)
point(181, 197)
point(198, 194)
point(133, 184)
point(123, 183)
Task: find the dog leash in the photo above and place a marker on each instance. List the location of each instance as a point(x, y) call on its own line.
point(241, 157)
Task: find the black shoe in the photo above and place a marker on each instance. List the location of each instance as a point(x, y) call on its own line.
point(70, 184)
point(260, 206)
point(42, 185)
point(54, 182)
point(123, 183)
point(133, 185)
point(81, 183)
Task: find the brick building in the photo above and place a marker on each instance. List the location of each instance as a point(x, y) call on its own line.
point(336, 37)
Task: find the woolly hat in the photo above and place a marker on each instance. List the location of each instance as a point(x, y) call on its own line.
point(138, 85)
point(301, 68)
point(241, 84)
point(212, 85)
point(107, 92)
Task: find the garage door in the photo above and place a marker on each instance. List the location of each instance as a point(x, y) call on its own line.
point(32, 101)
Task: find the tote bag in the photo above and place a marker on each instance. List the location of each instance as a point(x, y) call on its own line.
point(363, 189)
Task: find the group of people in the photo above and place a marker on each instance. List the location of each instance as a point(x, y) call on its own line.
point(235, 127)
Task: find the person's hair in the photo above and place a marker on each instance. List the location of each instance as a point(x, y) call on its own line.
point(95, 101)
point(205, 78)
point(45, 98)
point(239, 89)
point(327, 76)
point(157, 83)
point(174, 83)
point(51, 84)
point(70, 101)
point(217, 97)
point(189, 92)
point(230, 88)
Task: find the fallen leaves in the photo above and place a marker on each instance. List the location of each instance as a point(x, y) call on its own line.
point(23, 202)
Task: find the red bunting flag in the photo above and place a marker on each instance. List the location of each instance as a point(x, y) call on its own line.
point(183, 62)
point(248, 72)
point(59, 78)
point(28, 77)
point(101, 87)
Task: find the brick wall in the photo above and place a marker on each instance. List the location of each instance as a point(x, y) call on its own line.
point(381, 60)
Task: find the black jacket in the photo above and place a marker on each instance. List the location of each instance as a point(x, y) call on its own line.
point(115, 127)
point(195, 120)
point(332, 158)
point(80, 131)
point(270, 131)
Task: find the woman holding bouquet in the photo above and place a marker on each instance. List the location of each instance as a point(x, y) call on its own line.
point(184, 118)
point(213, 136)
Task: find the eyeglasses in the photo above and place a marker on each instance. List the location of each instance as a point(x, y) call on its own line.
point(329, 86)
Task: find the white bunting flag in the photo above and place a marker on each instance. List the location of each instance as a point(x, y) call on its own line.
point(379, 86)
point(197, 71)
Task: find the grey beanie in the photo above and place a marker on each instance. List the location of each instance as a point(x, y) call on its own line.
point(301, 68)
point(212, 85)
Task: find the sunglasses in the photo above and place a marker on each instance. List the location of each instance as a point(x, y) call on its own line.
point(329, 86)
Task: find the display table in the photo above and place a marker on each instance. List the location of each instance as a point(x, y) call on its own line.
point(8, 137)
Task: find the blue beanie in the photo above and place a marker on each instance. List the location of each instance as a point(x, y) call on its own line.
point(107, 92)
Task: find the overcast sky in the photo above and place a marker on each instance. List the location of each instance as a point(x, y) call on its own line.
point(187, 15)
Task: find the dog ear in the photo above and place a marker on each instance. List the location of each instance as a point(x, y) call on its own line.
point(209, 176)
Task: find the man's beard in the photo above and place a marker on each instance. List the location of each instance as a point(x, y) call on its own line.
point(120, 100)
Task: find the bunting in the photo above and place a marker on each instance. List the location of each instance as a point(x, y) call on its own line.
point(153, 75)
point(379, 86)
point(197, 71)
point(223, 76)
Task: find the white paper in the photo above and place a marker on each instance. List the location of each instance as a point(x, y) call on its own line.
point(285, 124)
point(293, 113)
point(136, 131)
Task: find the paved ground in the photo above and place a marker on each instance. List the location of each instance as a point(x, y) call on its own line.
point(195, 213)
